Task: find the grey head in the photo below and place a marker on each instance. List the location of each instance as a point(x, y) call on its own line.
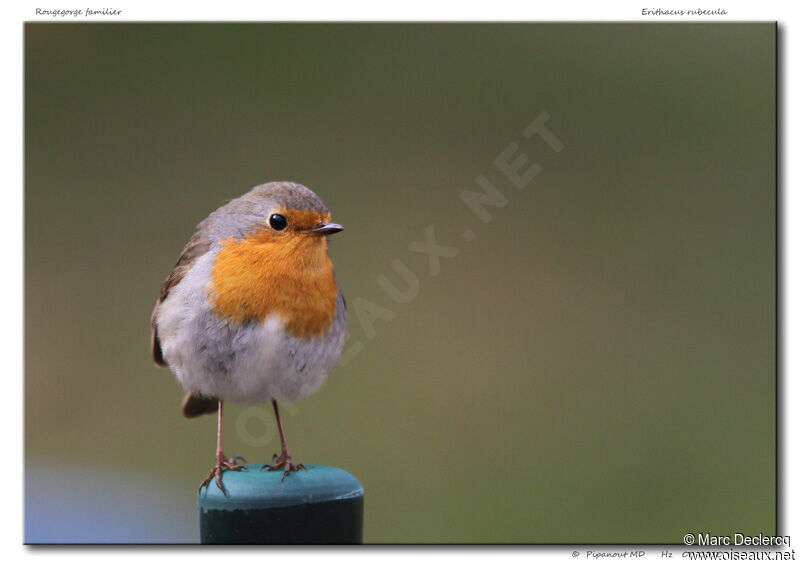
point(242, 215)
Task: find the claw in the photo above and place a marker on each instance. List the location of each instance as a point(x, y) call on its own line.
point(218, 473)
point(220, 466)
point(283, 462)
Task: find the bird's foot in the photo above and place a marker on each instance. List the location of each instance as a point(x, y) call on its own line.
point(222, 464)
point(283, 462)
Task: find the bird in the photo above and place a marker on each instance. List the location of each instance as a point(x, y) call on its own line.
point(251, 313)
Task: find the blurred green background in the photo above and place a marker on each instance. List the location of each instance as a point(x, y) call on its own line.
point(596, 365)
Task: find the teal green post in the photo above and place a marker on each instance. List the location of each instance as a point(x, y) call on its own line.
point(318, 505)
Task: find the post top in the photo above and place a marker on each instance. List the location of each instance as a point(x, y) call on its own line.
point(256, 489)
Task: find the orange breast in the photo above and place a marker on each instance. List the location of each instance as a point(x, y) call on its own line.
point(290, 277)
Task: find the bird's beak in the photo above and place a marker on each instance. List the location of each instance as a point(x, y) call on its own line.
point(326, 228)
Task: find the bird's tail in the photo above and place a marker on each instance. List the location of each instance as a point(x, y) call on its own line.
point(194, 406)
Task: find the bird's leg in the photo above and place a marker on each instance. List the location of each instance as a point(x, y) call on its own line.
point(221, 463)
point(284, 461)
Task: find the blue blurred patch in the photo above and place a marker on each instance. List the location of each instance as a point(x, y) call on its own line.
point(72, 505)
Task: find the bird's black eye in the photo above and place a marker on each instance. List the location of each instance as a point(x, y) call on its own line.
point(277, 222)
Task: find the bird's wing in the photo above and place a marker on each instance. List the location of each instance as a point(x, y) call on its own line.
point(198, 245)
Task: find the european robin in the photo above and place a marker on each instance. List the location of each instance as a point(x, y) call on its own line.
point(251, 313)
